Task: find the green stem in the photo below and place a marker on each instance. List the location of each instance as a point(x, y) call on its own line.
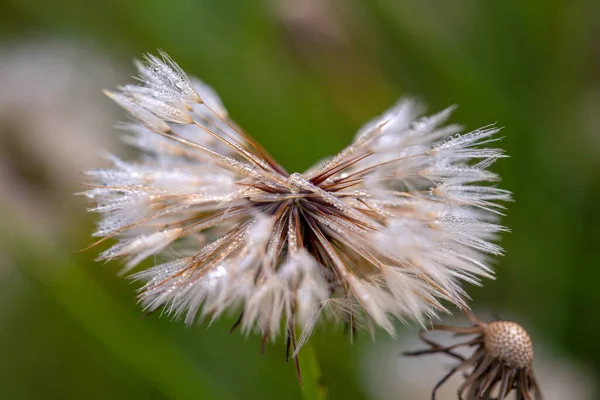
point(312, 381)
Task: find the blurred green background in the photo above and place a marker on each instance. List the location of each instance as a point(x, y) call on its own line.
point(301, 76)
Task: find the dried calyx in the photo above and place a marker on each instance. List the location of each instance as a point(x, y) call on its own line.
point(502, 360)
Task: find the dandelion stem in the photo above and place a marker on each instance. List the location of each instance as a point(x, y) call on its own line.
point(312, 382)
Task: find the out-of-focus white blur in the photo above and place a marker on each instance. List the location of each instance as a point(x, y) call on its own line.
point(54, 122)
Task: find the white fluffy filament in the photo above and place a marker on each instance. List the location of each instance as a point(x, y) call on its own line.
point(382, 231)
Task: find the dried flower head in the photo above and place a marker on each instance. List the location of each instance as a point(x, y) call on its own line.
point(383, 230)
point(502, 360)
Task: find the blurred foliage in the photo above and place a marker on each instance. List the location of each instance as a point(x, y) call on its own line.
point(302, 83)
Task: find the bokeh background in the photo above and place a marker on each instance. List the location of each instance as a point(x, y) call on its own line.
point(301, 76)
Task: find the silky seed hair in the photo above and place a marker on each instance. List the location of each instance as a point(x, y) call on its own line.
point(390, 228)
point(502, 360)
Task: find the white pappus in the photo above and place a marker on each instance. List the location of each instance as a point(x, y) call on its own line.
point(387, 229)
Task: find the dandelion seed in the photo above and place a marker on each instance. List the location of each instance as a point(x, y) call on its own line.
point(502, 360)
point(385, 230)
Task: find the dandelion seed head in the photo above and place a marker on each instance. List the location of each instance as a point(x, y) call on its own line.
point(386, 230)
point(502, 360)
point(508, 341)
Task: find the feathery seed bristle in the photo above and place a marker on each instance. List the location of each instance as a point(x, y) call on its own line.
point(383, 231)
